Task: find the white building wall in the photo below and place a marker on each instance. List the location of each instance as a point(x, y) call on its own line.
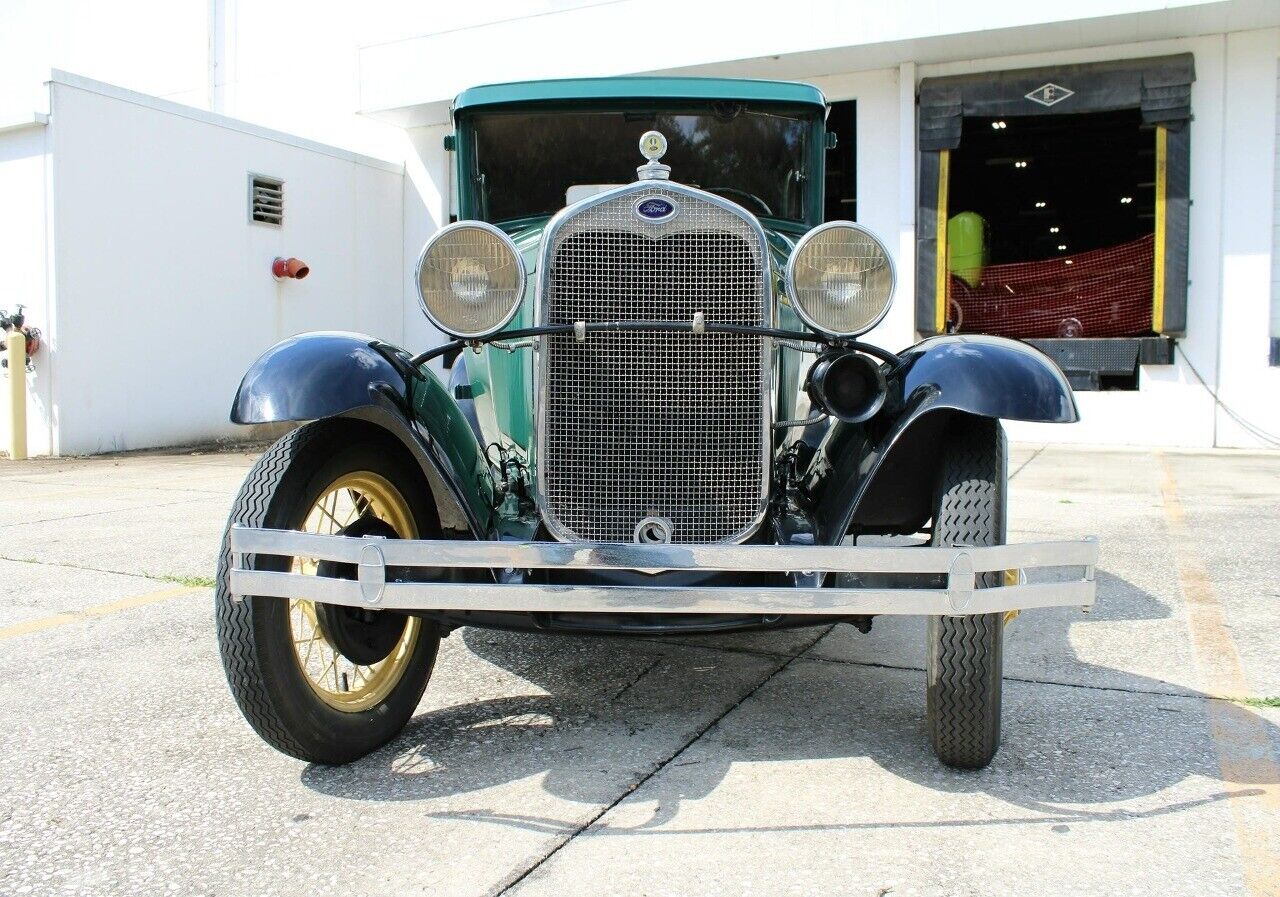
point(421, 72)
point(1249, 388)
point(164, 292)
point(427, 203)
point(289, 64)
point(880, 184)
point(24, 169)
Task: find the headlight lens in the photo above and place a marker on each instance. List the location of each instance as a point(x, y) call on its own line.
point(840, 279)
point(470, 279)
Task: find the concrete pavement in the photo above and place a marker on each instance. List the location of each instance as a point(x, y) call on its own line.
point(779, 763)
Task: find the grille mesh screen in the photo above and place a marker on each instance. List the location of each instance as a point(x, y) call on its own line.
point(643, 424)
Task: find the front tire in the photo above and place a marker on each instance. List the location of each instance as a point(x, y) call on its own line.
point(318, 682)
point(965, 655)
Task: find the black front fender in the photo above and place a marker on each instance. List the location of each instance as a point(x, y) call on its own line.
point(314, 376)
point(989, 376)
point(881, 477)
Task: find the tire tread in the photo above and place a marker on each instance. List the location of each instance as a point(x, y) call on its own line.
point(234, 615)
point(965, 662)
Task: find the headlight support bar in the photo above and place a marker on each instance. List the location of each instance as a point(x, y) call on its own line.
point(697, 326)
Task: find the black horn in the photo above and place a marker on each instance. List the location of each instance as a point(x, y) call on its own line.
point(847, 385)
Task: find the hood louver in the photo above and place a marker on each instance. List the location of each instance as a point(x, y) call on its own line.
point(266, 200)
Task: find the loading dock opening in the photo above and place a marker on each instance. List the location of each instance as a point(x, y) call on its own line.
point(1053, 207)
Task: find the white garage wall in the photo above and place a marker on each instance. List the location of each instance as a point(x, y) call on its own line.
point(1247, 385)
point(880, 169)
point(24, 164)
point(164, 291)
point(427, 201)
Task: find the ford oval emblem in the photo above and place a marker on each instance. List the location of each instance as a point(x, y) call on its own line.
point(656, 209)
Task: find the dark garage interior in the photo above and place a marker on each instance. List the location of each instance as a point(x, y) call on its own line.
point(1053, 207)
point(1051, 227)
point(1091, 175)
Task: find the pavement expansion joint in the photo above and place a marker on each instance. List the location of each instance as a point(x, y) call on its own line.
point(150, 487)
point(635, 680)
point(87, 569)
point(1025, 680)
point(659, 767)
point(1023, 465)
point(163, 504)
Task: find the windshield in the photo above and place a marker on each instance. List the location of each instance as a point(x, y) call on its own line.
point(531, 163)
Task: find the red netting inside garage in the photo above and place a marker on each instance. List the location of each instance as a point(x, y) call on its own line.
point(1103, 292)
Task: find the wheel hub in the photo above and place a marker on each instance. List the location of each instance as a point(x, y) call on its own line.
point(362, 636)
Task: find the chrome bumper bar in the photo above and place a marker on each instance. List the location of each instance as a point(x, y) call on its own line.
point(372, 588)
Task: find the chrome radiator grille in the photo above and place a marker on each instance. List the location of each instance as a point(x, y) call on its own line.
point(642, 424)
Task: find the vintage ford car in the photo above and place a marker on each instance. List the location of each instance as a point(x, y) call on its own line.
point(655, 416)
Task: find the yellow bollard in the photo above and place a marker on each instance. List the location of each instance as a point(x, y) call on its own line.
point(15, 342)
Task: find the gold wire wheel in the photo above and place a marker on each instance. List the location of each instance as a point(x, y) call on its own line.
point(339, 682)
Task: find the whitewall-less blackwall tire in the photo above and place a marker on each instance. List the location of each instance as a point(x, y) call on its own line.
point(290, 663)
point(964, 659)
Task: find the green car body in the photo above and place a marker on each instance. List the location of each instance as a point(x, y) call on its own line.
point(502, 382)
point(655, 416)
point(473, 427)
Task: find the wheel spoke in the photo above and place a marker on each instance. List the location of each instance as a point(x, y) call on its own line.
point(327, 513)
point(362, 503)
point(336, 679)
point(358, 504)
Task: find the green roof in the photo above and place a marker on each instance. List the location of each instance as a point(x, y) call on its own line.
point(573, 89)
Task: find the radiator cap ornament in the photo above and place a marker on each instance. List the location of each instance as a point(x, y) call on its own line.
point(653, 146)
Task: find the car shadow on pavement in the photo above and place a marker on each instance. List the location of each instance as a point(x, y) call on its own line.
point(613, 711)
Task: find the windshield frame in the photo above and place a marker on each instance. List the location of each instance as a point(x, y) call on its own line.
point(814, 163)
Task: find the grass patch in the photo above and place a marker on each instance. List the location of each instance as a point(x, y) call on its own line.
point(1259, 702)
point(193, 582)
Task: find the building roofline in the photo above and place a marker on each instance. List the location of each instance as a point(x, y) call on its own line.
point(32, 120)
point(80, 82)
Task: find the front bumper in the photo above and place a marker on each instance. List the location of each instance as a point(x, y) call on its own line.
point(372, 586)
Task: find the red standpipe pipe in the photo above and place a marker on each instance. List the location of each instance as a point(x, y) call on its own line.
point(290, 267)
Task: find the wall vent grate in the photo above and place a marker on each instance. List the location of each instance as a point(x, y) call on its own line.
point(266, 200)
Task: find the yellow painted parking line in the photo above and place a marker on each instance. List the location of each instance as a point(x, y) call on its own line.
point(97, 610)
point(1240, 737)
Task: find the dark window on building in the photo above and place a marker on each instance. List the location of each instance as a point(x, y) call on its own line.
point(841, 201)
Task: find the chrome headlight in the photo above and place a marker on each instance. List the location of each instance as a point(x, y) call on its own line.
point(470, 279)
point(840, 279)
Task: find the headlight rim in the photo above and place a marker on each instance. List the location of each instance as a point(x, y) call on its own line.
point(521, 282)
point(789, 278)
